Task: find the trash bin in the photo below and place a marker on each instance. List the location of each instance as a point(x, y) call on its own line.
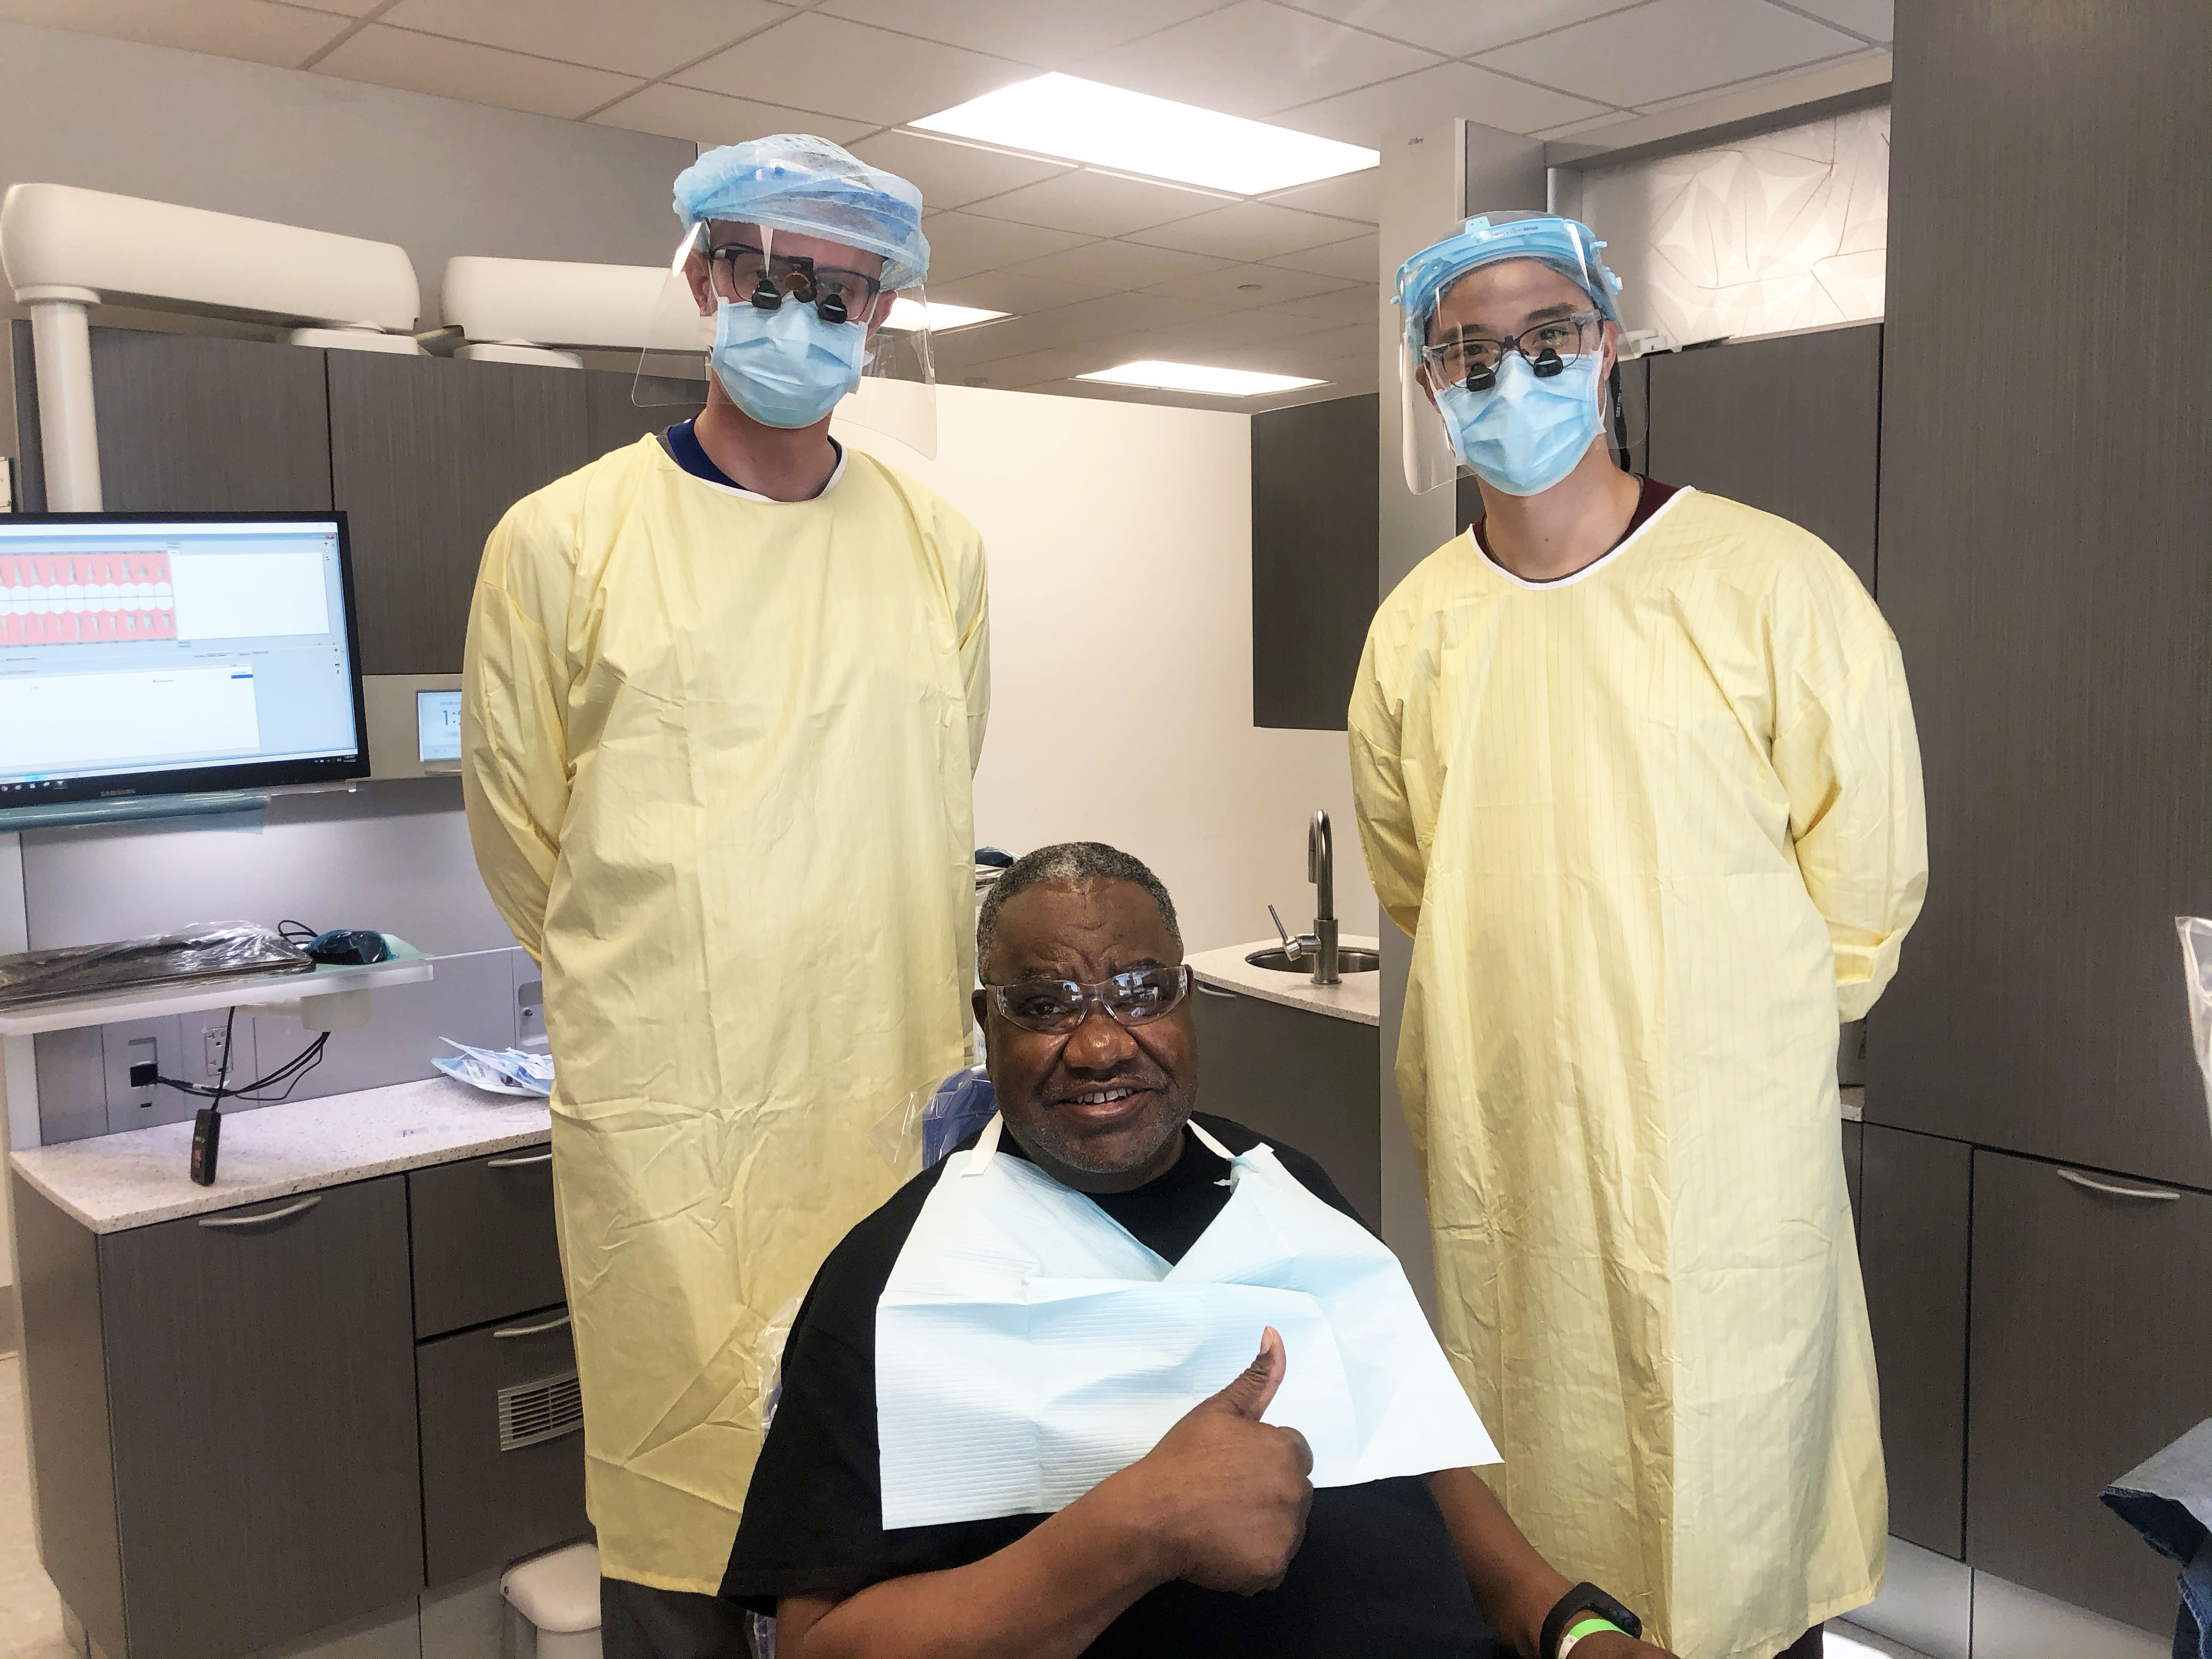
point(553, 1604)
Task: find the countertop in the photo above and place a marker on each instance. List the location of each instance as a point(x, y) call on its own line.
point(1359, 997)
point(112, 1182)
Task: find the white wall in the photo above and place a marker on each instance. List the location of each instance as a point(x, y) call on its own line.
point(1120, 537)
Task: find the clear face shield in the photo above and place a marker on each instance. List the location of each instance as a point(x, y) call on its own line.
point(1504, 365)
point(795, 327)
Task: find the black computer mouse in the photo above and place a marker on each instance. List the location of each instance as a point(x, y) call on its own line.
point(349, 947)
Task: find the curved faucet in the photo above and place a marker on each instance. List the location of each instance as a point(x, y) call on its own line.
point(1320, 870)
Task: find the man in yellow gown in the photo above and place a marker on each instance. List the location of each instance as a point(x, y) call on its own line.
point(725, 691)
point(1635, 768)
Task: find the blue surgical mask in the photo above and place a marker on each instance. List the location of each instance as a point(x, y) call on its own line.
point(785, 367)
point(1526, 433)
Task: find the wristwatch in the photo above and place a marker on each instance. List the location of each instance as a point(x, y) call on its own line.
point(1584, 1600)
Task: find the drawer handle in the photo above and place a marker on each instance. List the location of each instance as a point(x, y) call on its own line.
point(1206, 990)
point(552, 1324)
point(306, 1203)
point(518, 1162)
point(2153, 1194)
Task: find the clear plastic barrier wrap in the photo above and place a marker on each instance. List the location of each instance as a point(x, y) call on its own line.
point(213, 951)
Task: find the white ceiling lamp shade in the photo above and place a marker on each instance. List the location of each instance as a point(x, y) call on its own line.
point(64, 250)
point(1198, 377)
point(514, 307)
point(159, 254)
point(1079, 120)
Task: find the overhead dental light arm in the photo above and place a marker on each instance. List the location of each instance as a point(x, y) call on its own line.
point(65, 250)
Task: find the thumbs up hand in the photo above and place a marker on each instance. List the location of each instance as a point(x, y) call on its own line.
point(1223, 1496)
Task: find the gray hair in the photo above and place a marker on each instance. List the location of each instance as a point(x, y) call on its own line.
point(1078, 863)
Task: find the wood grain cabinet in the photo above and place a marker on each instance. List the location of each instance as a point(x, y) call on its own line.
point(483, 1240)
point(1310, 1080)
point(426, 455)
point(1790, 425)
point(2043, 549)
point(224, 1421)
point(1913, 1198)
point(1314, 529)
point(2090, 1352)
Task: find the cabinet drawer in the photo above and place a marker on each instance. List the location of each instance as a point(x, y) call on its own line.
point(502, 1444)
point(484, 1244)
point(2090, 1351)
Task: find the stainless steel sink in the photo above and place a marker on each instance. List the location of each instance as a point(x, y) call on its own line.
point(1349, 960)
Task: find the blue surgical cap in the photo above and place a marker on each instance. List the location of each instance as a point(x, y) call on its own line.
point(1567, 245)
point(796, 182)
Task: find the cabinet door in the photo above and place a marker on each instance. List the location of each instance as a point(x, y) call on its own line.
point(188, 424)
point(1914, 1193)
point(2043, 563)
point(1313, 527)
point(426, 455)
point(261, 1369)
point(1312, 1082)
point(1791, 426)
point(1854, 1166)
point(484, 1244)
point(502, 1445)
point(2090, 1352)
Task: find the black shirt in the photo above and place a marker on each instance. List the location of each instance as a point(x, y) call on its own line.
point(1377, 1574)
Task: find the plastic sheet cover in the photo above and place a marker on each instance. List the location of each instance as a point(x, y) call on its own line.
point(212, 951)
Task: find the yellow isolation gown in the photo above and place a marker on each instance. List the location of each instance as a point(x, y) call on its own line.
point(1653, 828)
point(717, 762)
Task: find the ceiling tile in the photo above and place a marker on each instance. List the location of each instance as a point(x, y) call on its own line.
point(1117, 264)
point(1098, 204)
point(1093, 319)
point(1246, 230)
point(633, 39)
point(1341, 307)
point(1237, 328)
point(1252, 57)
point(815, 62)
point(248, 29)
point(1577, 129)
point(708, 118)
point(1429, 95)
point(1791, 77)
point(1671, 47)
point(1047, 36)
point(962, 245)
point(1028, 368)
point(481, 75)
point(1349, 196)
point(1015, 294)
point(949, 173)
point(1244, 288)
point(1456, 28)
point(1358, 260)
point(1874, 19)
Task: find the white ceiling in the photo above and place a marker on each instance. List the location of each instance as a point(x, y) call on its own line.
point(1099, 268)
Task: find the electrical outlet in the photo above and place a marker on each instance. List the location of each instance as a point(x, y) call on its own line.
point(530, 1014)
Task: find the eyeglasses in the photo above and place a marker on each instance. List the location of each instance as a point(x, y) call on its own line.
point(839, 297)
point(1059, 1005)
point(1549, 347)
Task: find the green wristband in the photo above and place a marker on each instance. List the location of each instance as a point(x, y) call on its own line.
point(1583, 1627)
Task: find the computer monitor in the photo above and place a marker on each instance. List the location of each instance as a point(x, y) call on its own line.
point(150, 653)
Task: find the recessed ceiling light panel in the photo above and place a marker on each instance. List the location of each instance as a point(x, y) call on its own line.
point(943, 319)
point(1079, 120)
point(1197, 377)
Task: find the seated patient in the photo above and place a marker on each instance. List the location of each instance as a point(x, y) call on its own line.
point(1022, 1415)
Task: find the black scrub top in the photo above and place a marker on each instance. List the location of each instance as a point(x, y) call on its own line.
point(1377, 1574)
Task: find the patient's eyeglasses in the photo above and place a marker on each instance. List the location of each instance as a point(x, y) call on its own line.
point(1055, 1006)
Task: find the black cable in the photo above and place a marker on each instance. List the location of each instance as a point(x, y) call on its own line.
point(295, 1068)
point(296, 932)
